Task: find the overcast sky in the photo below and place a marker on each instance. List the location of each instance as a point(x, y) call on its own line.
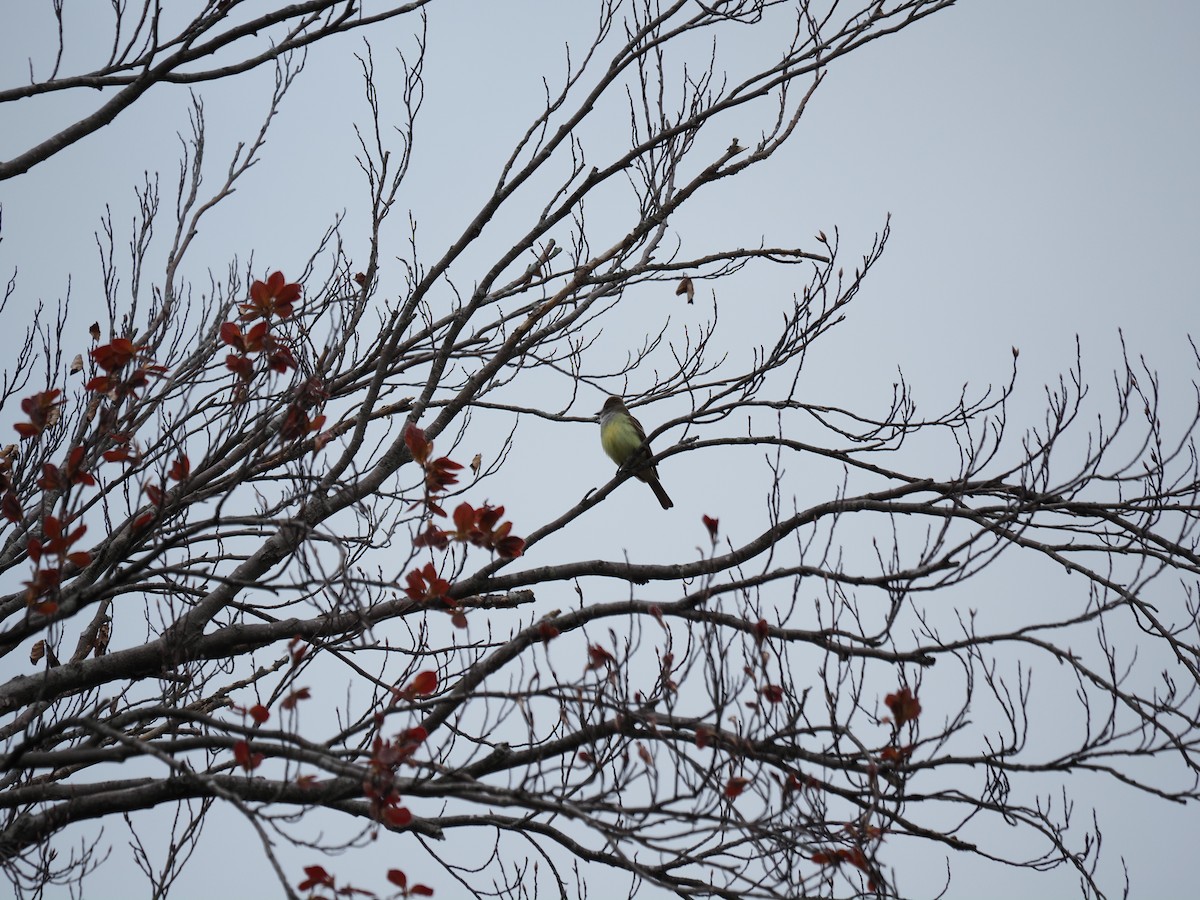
point(1038, 160)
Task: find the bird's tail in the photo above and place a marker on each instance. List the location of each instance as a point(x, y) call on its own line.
point(656, 486)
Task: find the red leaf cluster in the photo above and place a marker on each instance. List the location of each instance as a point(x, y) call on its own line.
point(439, 473)
point(598, 658)
point(273, 297)
point(296, 423)
point(289, 702)
point(58, 542)
point(121, 451)
point(379, 784)
point(479, 527)
point(40, 590)
point(426, 586)
point(835, 856)
point(314, 877)
point(257, 340)
point(666, 670)
point(114, 358)
point(42, 411)
point(72, 473)
point(482, 528)
point(400, 880)
point(297, 649)
point(43, 584)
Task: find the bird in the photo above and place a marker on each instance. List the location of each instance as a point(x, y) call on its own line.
point(624, 440)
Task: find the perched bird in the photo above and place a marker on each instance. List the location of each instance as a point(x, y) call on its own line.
point(624, 440)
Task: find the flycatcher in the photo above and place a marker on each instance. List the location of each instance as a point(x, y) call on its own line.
point(624, 440)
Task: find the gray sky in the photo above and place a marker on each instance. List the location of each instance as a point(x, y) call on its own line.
point(1037, 158)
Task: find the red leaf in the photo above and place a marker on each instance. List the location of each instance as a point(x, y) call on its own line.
point(397, 816)
point(793, 783)
point(904, 706)
point(418, 446)
point(75, 471)
point(259, 713)
point(432, 537)
point(511, 547)
point(240, 366)
point(101, 384)
point(295, 423)
point(894, 755)
point(115, 356)
point(464, 518)
point(421, 890)
point(547, 632)
point(735, 786)
point(180, 469)
point(256, 338)
point(772, 693)
point(280, 359)
point(761, 631)
point(51, 479)
point(417, 733)
point(316, 877)
point(711, 524)
point(80, 558)
point(298, 649)
point(119, 454)
point(290, 701)
point(598, 657)
point(232, 335)
point(247, 760)
point(425, 683)
point(398, 878)
point(10, 506)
